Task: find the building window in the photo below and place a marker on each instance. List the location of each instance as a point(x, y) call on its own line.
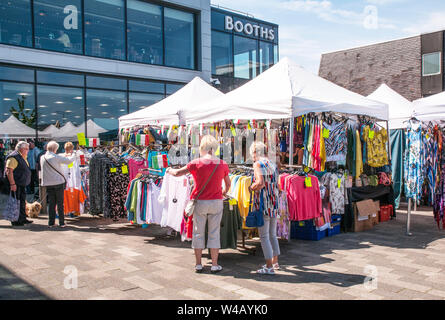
point(16, 74)
point(432, 64)
point(147, 86)
point(106, 83)
point(179, 27)
point(245, 57)
point(11, 94)
point(104, 29)
point(66, 79)
point(15, 22)
point(58, 25)
point(172, 88)
point(60, 105)
point(222, 54)
point(266, 55)
point(140, 101)
point(275, 54)
point(144, 32)
point(105, 107)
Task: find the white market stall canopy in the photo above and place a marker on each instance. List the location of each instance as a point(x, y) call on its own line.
point(51, 130)
point(400, 108)
point(67, 132)
point(431, 108)
point(93, 129)
point(174, 109)
point(283, 91)
point(14, 128)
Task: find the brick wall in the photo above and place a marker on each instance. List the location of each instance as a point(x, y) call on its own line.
point(362, 70)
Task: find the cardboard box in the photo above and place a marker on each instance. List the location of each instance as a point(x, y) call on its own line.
point(362, 222)
point(375, 216)
point(366, 207)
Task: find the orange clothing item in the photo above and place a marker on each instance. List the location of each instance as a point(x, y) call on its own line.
point(72, 198)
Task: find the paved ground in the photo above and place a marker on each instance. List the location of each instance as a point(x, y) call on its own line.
point(121, 261)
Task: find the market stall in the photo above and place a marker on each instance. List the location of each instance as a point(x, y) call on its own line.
point(424, 159)
point(12, 128)
point(51, 130)
point(400, 112)
point(318, 109)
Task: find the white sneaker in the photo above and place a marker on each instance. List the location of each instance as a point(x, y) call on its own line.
point(275, 266)
point(198, 268)
point(215, 269)
point(269, 271)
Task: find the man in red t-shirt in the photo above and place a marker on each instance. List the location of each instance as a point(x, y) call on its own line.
point(208, 174)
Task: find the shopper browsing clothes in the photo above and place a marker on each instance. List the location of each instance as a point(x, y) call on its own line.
point(54, 181)
point(32, 159)
point(42, 189)
point(19, 176)
point(266, 185)
point(208, 174)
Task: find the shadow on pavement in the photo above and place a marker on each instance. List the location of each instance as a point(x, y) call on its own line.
point(13, 287)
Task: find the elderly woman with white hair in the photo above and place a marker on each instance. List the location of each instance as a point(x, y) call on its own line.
point(19, 175)
point(266, 187)
point(208, 174)
point(54, 181)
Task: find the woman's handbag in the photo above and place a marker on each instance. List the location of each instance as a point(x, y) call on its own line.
point(12, 210)
point(63, 176)
point(255, 218)
point(190, 208)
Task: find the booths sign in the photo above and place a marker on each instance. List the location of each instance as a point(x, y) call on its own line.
point(249, 29)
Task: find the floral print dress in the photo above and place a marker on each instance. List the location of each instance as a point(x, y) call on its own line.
point(414, 162)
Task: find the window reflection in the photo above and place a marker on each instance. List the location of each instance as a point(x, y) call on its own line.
point(60, 78)
point(11, 95)
point(106, 83)
point(266, 55)
point(105, 107)
point(179, 29)
point(245, 58)
point(17, 74)
point(59, 105)
point(172, 88)
point(140, 101)
point(144, 32)
point(222, 54)
point(15, 22)
point(104, 28)
point(147, 86)
point(58, 25)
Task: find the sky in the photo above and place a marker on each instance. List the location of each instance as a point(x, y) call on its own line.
point(309, 28)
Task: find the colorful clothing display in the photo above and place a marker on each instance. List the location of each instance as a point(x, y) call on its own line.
point(413, 162)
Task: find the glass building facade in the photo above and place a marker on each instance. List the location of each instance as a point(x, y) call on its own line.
point(148, 49)
point(128, 30)
point(59, 97)
point(242, 47)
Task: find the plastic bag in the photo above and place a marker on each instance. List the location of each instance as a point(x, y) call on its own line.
point(12, 210)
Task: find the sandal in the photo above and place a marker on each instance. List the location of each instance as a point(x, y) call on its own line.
point(270, 271)
point(198, 268)
point(275, 266)
point(215, 269)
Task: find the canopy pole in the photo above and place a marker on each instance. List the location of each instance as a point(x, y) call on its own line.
point(408, 220)
point(291, 141)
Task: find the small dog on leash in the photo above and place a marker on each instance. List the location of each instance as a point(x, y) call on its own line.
point(33, 209)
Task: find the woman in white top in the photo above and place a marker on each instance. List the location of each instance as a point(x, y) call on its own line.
point(54, 181)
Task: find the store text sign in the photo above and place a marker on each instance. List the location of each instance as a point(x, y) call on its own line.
point(249, 29)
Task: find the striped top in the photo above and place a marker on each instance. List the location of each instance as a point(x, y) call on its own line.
point(270, 191)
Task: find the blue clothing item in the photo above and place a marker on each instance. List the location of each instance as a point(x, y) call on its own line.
point(414, 162)
point(32, 157)
point(306, 136)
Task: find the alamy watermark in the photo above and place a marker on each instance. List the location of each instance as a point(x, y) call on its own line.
point(71, 280)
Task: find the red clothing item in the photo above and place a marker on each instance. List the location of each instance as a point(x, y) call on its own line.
point(201, 169)
point(304, 203)
point(135, 165)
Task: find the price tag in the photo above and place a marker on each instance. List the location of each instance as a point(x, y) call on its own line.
point(339, 183)
point(124, 169)
point(326, 133)
point(232, 202)
point(233, 131)
point(113, 170)
point(371, 134)
point(217, 151)
point(70, 165)
point(427, 136)
point(308, 182)
point(301, 223)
